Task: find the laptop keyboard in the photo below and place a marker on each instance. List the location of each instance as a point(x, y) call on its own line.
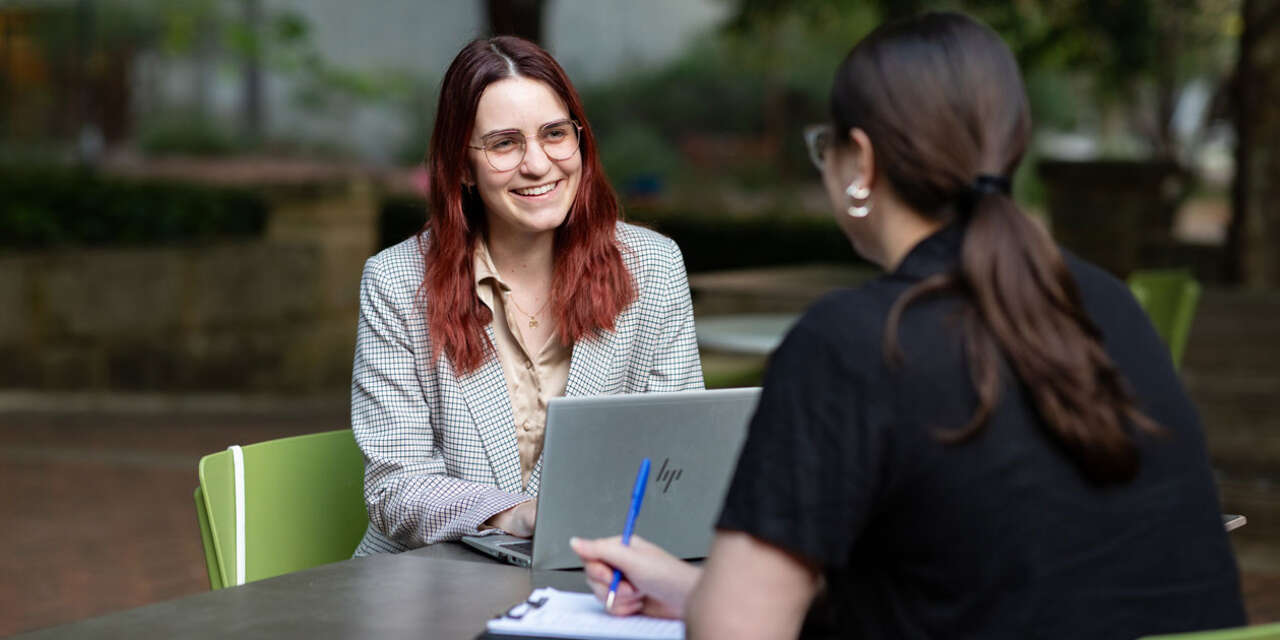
point(520, 547)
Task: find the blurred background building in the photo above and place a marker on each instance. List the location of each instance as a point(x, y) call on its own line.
point(188, 190)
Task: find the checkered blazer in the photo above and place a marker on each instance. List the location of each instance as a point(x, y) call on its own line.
point(440, 449)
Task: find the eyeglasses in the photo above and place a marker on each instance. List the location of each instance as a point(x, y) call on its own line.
point(819, 138)
point(505, 149)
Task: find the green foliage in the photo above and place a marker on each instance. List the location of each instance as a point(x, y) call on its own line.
point(703, 90)
point(290, 27)
point(284, 44)
point(418, 104)
point(43, 208)
point(1083, 59)
point(62, 29)
point(798, 45)
point(71, 34)
point(639, 152)
point(1118, 40)
point(757, 82)
point(179, 27)
point(107, 25)
point(188, 134)
point(748, 375)
point(1056, 101)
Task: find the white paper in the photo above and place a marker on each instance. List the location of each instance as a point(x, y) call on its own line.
point(579, 615)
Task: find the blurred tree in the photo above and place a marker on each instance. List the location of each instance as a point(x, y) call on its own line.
point(1254, 233)
point(1137, 54)
point(251, 68)
point(73, 63)
point(85, 52)
point(77, 72)
point(794, 48)
point(516, 18)
point(87, 131)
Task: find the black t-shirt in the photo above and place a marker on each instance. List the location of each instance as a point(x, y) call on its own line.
point(998, 537)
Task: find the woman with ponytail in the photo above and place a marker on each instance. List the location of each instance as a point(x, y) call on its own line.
point(523, 285)
point(988, 441)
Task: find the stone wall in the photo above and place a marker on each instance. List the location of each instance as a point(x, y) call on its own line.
point(271, 314)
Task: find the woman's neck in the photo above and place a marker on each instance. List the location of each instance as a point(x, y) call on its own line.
point(902, 229)
point(523, 259)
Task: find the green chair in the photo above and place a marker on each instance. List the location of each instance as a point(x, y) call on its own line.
point(206, 539)
point(1262, 632)
point(303, 504)
point(1169, 297)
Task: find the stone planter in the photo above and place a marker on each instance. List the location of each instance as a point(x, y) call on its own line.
point(269, 314)
point(1113, 212)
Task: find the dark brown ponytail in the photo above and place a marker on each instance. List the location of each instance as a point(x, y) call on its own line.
point(968, 122)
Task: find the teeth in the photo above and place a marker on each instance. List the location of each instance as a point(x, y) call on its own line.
point(536, 191)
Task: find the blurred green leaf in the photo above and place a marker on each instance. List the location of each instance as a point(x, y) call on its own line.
point(291, 27)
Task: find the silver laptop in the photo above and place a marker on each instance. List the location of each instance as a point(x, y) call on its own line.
point(593, 448)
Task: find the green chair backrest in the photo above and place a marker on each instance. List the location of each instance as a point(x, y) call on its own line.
point(206, 540)
point(1169, 297)
point(1262, 632)
point(303, 505)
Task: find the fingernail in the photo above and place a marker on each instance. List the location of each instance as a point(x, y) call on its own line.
point(573, 542)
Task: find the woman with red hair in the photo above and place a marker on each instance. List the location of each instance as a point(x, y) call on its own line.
point(523, 285)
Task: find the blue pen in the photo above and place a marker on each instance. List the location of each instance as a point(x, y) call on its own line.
point(637, 498)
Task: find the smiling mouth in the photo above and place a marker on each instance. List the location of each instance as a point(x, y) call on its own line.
point(532, 192)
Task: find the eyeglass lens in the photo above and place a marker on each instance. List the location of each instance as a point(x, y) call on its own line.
point(819, 141)
point(505, 151)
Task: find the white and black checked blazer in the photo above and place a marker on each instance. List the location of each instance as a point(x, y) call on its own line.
point(440, 450)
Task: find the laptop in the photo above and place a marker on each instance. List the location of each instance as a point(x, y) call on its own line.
point(592, 450)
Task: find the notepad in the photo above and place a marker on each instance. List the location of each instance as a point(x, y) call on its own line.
point(565, 614)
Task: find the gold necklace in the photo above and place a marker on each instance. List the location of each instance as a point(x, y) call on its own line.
point(533, 317)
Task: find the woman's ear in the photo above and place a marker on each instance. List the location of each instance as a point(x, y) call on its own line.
point(864, 157)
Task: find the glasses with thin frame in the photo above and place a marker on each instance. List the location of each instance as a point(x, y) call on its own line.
point(504, 150)
point(819, 138)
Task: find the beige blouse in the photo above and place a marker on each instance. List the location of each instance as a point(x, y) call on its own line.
point(533, 376)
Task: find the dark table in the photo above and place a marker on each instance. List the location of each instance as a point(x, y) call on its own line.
point(443, 591)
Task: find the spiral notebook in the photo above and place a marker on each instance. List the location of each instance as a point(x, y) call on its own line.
point(564, 614)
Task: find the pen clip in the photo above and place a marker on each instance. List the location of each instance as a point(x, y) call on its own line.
point(529, 605)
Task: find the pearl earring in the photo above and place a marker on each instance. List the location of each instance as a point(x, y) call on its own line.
point(859, 192)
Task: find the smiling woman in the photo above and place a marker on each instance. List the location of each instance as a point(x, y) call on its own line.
point(527, 189)
point(523, 285)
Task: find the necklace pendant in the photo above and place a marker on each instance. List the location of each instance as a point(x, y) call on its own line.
point(533, 322)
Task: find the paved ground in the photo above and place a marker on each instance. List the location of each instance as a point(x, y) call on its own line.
point(97, 507)
point(99, 517)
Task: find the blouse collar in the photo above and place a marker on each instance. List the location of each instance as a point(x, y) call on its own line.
point(937, 253)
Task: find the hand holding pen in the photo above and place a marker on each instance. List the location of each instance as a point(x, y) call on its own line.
point(637, 498)
point(656, 582)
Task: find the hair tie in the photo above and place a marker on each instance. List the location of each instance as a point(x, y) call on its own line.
point(988, 184)
point(983, 185)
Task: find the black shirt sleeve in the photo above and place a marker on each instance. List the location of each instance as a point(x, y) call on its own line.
point(812, 464)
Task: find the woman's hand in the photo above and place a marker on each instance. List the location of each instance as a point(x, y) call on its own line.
point(654, 582)
point(518, 520)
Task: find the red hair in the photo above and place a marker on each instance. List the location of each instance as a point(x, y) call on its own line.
point(590, 286)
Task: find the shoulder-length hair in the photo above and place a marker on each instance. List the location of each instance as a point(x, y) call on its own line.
point(591, 285)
